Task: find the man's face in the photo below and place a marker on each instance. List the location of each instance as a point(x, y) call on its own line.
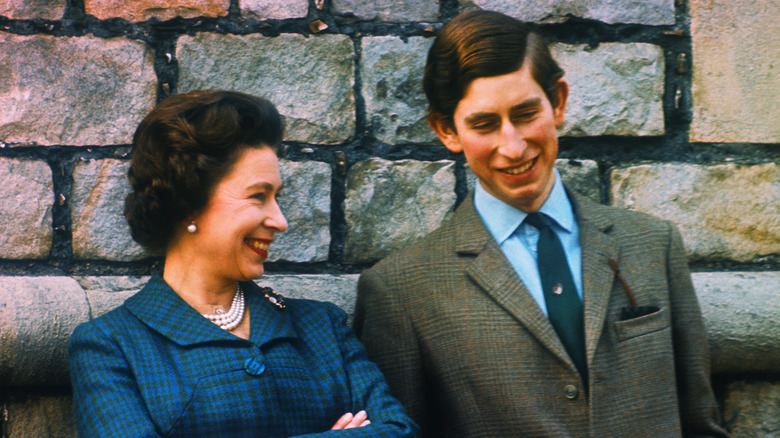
point(506, 127)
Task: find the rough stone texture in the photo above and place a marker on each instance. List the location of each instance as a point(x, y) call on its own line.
point(579, 175)
point(40, 415)
point(742, 314)
point(37, 316)
point(736, 85)
point(390, 204)
point(32, 9)
point(751, 409)
point(309, 79)
point(97, 201)
point(26, 203)
point(107, 293)
point(160, 9)
point(338, 289)
point(615, 89)
point(396, 107)
point(389, 10)
point(76, 91)
point(726, 211)
point(654, 12)
point(305, 202)
point(274, 9)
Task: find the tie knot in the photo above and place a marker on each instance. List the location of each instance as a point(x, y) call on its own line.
point(537, 220)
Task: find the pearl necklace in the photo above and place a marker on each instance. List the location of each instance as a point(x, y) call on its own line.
point(230, 320)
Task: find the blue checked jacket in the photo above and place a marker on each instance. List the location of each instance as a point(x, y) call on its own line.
point(154, 367)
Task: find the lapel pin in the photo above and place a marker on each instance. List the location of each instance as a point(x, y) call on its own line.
point(558, 289)
point(275, 299)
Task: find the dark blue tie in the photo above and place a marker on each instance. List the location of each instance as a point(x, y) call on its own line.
point(564, 307)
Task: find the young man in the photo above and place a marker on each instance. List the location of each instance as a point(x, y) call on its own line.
point(507, 323)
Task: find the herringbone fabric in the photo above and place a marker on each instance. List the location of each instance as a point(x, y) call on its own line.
point(470, 354)
point(154, 367)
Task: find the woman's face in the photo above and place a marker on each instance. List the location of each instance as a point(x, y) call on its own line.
point(237, 225)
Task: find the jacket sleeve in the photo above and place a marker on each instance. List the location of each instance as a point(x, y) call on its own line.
point(698, 408)
point(389, 337)
point(106, 399)
point(369, 391)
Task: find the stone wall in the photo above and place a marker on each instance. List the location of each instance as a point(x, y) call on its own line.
point(673, 111)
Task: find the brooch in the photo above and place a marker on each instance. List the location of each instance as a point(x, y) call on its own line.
point(275, 299)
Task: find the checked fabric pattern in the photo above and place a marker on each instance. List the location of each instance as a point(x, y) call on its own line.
point(154, 367)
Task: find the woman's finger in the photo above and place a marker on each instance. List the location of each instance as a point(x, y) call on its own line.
point(343, 422)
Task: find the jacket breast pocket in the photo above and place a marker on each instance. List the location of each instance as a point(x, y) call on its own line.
point(643, 325)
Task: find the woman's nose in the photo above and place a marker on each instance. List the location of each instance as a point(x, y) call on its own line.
point(276, 219)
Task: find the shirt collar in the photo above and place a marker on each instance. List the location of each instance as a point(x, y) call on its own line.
point(501, 219)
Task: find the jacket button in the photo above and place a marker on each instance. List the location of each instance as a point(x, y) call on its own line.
point(570, 391)
point(254, 367)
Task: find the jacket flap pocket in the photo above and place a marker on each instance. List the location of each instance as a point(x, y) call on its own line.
point(649, 323)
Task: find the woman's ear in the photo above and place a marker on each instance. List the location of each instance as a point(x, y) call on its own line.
point(559, 105)
point(446, 132)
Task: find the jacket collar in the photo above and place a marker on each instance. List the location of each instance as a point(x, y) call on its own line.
point(164, 311)
point(495, 275)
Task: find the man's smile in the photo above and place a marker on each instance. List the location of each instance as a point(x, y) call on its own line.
point(521, 168)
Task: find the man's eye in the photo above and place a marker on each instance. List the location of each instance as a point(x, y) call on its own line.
point(259, 196)
point(525, 115)
point(482, 126)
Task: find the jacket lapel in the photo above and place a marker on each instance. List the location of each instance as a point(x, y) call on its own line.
point(493, 273)
point(597, 276)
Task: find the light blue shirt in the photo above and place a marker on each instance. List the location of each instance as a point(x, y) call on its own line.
point(519, 247)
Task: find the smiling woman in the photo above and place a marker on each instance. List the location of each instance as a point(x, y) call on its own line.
point(201, 350)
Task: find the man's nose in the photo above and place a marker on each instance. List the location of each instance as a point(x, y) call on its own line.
point(512, 140)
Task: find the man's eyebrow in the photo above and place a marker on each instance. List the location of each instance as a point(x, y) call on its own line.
point(535, 101)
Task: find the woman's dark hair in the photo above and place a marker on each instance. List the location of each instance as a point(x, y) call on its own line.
point(183, 148)
point(480, 44)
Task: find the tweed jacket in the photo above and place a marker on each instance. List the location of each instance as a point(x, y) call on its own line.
point(154, 367)
point(468, 351)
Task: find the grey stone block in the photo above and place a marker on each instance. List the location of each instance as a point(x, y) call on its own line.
point(310, 80)
point(654, 12)
point(305, 202)
point(725, 211)
point(74, 90)
point(106, 293)
point(37, 316)
point(97, 201)
point(162, 10)
point(742, 314)
point(391, 70)
point(26, 203)
point(391, 204)
point(615, 89)
point(752, 409)
point(274, 9)
point(389, 10)
point(32, 9)
point(736, 87)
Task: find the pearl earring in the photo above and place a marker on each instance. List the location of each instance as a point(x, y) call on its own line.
point(192, 228)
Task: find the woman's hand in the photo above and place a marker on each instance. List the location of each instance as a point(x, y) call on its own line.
point(348, 421)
